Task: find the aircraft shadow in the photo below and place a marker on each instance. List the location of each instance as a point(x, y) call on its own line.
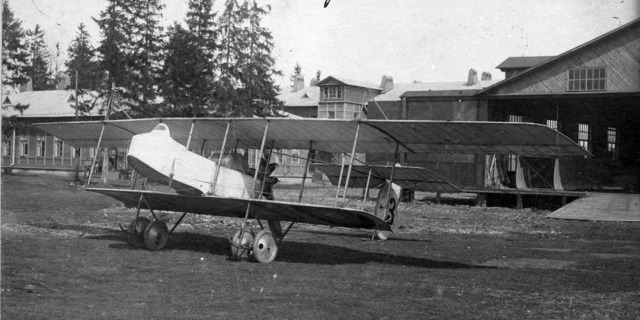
point(290, 250)
point(364, 235)
point(294, 251)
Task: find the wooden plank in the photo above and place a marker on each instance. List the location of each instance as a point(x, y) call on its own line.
point(601, 207)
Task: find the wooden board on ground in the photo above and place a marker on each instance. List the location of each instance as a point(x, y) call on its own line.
point(601, 207)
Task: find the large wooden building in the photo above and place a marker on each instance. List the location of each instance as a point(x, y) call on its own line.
point(590, 93)
point(26, 148)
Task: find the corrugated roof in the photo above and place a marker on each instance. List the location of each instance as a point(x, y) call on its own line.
point(47, 103)
point(331, 135)
point(349, 82)
point(522, 62)
point(305, 97)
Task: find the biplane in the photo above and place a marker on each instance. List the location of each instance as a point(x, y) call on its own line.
point(223, 185)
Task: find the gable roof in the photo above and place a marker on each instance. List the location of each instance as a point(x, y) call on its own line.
point(305, 97)
point(522, 62)
point(349, 82)
point(568, 53)
point(46, 103)
point(432, 89)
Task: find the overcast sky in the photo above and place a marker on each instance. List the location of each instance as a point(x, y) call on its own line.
point(424, 40)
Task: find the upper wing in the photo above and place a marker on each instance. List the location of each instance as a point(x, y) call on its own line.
point(416, 178)
point(330, 135)
point(260, 209)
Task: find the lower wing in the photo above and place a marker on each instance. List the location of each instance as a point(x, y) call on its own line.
point(235, 207)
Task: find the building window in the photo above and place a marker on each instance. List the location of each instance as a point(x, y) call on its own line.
point(24, 145)
point(58, 147)
point(73, 152)
point(6, 147)
point(295, 157)
point(513, 159)
point(332, 93)
point(515, 118)
point(612, 140)
point(553, 124)
point(587, 79)
point(40, 147)
point(583, 135)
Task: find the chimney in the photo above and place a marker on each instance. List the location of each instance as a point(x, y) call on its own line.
point(27, 87)
point(314, 82)
point(486, 76)
point(298, 83)
point(386, 84)
point(473, 77)
point(64, 81)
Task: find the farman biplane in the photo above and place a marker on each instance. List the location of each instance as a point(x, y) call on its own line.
point(224, 185)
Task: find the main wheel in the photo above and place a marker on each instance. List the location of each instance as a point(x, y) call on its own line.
point(240, 249)
point(156, 235)
point(136, 231)
point(265, 248)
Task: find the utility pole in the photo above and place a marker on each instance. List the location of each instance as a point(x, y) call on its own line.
point(105, 158)
point(77, 150)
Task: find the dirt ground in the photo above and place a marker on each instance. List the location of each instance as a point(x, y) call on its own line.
point(64, 257)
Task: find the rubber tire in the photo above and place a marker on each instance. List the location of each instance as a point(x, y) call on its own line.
point(136, 230)
point(265, 247)
point(156, 235)
point(238, 253)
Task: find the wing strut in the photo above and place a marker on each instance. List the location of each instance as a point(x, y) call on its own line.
point(353, 154)
point(95, 156)
point(255, 178)
point(366, 189)
point(335, 203)
point(224, 144)
point(306, 168)
point(393, 168)
point(193, 124)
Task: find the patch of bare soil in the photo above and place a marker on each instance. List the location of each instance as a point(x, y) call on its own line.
point(64, 257)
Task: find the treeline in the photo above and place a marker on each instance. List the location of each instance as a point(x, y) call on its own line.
point(214, 64)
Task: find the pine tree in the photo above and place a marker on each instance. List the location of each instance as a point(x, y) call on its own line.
point(40, 68)
point(259, 74)
point(131, 52)
point(113, 25)
point(247, 75)
point(145, 58)
point(190, 65)
point(231, 46)
point(297, 71)
point(82, 60)
point(15, 56)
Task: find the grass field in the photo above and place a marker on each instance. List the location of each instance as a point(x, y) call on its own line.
point(64, 257)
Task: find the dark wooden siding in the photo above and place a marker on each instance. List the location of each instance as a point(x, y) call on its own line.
point(359, 95)
point(620, 55)
point(392, 109)
point(456, 110)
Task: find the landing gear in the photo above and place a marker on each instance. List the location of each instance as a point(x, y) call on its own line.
point(262, 247)
point(135, 232)
point(156, 235)
point(265, 247)
point(241, 249)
